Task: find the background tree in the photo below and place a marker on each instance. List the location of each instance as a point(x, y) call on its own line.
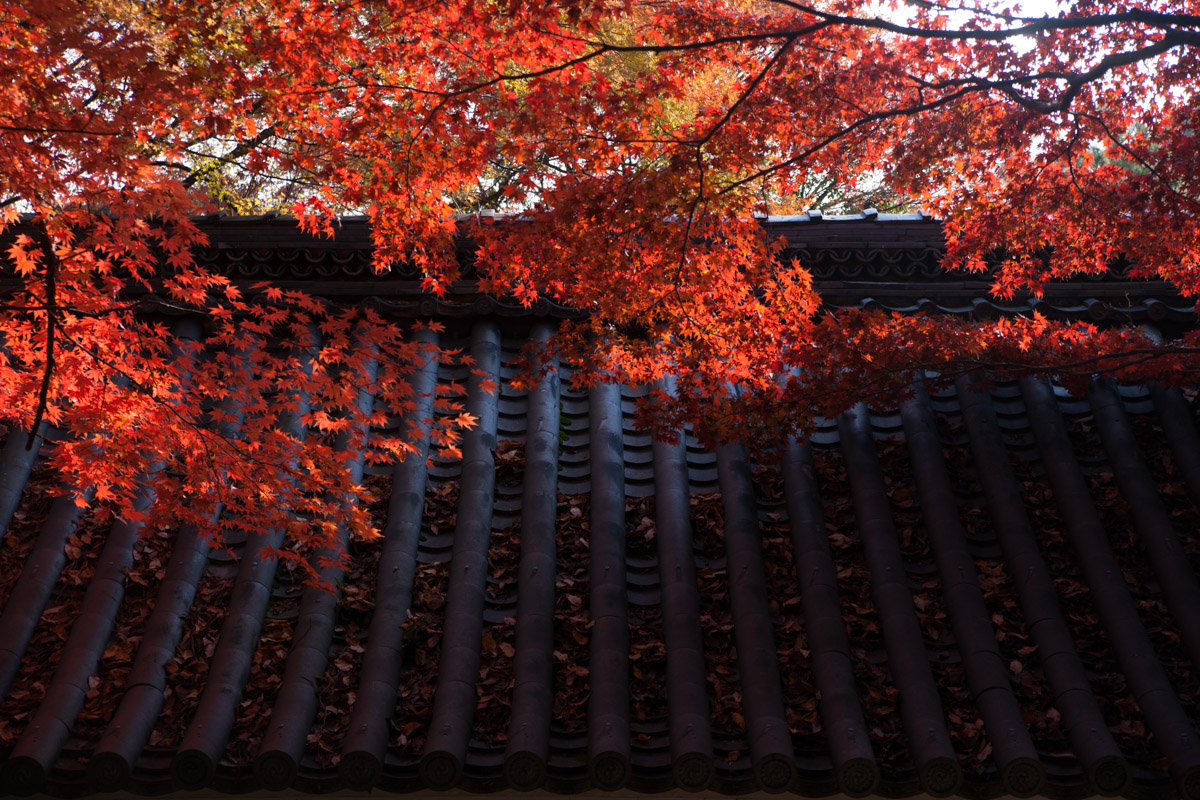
point(639, 141)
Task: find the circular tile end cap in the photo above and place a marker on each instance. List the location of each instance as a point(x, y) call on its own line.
point(192, 770)
point(941, 776)
point(609, 771)
point(360, 770)
point(774, 772)
point(694, 772)
point(107, 771)
point(275, 770)
point(22, 776)
point(1189, 783)
point(858, 777)
point(1110, 775)
point(1024, 777)
point(525, 770)
point(441, 770)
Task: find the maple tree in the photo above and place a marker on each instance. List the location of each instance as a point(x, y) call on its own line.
point(640, 144)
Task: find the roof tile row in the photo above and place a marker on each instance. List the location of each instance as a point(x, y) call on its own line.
point(1002, 600)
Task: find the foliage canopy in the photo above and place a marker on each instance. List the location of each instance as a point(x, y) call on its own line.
point(640, 143)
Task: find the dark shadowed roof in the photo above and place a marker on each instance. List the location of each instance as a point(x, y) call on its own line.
point(991, 590)
point(867, 260)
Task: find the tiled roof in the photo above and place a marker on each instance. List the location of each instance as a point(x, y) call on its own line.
point(867, 260)
point(988, 590)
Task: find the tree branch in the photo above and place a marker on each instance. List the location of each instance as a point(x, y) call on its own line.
point(1169, 22)
point(841, 133)
point(233, 155)
point(758, 78)
point(52, 266)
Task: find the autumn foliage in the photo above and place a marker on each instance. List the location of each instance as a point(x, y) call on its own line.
point(636, 147)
